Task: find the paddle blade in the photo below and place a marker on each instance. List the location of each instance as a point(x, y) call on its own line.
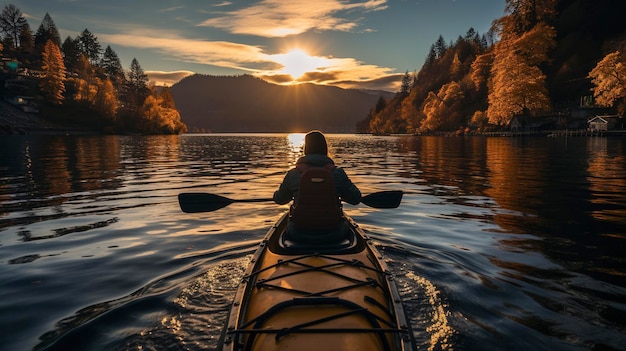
point(383, 199)
point(202, 202)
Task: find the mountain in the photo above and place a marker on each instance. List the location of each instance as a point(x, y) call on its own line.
point(248, 104)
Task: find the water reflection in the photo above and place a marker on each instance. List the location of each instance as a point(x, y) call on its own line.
point(519, 240)
point(569, 191)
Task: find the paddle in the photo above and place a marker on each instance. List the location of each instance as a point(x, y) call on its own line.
point(204, 202)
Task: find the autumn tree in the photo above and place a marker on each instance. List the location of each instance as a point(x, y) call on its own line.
point(105, 99)
point(167, 98)
point(517, 84)
point(456, 67)
point(12, 23)
point(480, 69)
point(609, 80)
point(53, 80)
point(159, 115)
point(442, 109)
point(518, 88)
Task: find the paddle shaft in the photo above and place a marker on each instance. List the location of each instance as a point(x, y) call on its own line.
point(204, 202)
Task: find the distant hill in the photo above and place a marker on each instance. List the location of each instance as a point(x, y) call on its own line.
point(248, 104)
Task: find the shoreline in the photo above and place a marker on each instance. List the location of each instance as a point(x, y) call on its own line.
point(14, 121)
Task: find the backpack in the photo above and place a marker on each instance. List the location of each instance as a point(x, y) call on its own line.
point(316, 207)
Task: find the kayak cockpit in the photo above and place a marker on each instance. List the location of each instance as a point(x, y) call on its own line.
point(311, 298)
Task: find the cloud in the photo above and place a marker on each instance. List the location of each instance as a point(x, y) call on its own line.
point(254, 60)
point(277, 78)
point(170, 9)
point(216, 53)
point(389, 83)
point(278, 18)
point(162, 78)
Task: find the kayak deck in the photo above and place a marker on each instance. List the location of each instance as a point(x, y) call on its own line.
point(340, 297)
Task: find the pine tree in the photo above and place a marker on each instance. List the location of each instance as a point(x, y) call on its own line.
point(431, 57)
point(47, 31)
point(53, 80)
point(440, 47)
point(27, 46)
point(405, 86)
point(137, 86)
point(89, 46)
point(71, 53)
point(112, 66)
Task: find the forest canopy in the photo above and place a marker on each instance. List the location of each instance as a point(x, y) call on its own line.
point(80, 83)
point(528, 64)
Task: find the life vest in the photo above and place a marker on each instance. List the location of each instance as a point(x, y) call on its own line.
point(316, 207)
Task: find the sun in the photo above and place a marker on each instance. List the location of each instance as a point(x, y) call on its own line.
point(297, 62)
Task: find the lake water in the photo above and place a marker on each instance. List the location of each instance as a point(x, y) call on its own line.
point(499, 244)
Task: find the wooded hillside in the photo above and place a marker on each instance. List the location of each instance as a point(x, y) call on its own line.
point(542, 57)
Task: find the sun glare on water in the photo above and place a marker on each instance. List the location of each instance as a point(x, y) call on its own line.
point(296, 146)
point(296, 141)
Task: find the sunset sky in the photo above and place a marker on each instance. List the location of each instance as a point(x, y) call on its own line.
point(366, 44)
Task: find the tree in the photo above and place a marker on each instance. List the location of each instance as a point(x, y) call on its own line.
point(166, 98)
point(517, 88)
point(27, 46)
point(47, 31)
point(442, 110)
point(479, 73)
point(517, 84)
point(105, 101)
point(137, 86)
point(609, 80)
point(89, 46)
point(53, 80)
point(12, 23)
point(440, 47)
point(71, 53)
point(158, 114)
point(112, 67)
point(456, 67)
point(405, 87)
point(526, 14)
point(431, 57)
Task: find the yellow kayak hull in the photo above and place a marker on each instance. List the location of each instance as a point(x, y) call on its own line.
point(317, 298)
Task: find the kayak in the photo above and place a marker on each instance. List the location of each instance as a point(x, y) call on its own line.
point(316, 297)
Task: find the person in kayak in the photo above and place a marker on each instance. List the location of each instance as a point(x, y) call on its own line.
point(317, 188)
